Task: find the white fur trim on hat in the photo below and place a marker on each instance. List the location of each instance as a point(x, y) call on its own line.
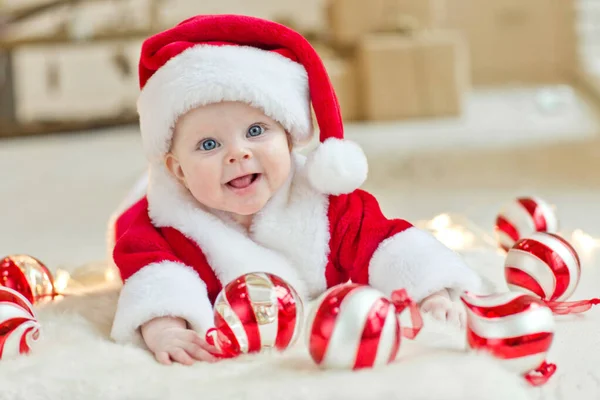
point(337, 166)
point(206, 74)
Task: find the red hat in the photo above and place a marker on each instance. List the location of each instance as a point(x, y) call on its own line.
point(212, 58)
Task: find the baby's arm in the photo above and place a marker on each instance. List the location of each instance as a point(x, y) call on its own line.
point(164, 303)
point(390, 254)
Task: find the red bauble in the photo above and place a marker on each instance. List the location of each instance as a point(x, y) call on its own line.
point(516, 328)
point(355, 326)
point(522, 217)
point(256, 312)
point(28, 276)
point(546, 266)
point(19, 327)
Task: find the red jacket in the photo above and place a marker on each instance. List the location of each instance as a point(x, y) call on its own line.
point(174, 258)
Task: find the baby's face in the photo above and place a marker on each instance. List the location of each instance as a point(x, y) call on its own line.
point(230, 156)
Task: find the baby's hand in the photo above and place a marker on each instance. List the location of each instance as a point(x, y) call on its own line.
point(442, 308)
point(170, 340)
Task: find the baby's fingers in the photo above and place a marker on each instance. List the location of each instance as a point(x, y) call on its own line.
point(426, 307)
point(440, 312)
point(204, 345)
point(163, 358)
point(181, 356)
point(454, 316)
point(437, 307)
point(200, 354)
point(463, 319)
point(197, 351)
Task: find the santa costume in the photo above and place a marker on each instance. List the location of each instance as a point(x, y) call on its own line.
point(317, 231)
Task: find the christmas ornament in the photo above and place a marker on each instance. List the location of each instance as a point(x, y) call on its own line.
point(523, 216)
point(355, 326)
point(255, 312)
point(28, 276)
point(19, 327)
point(516, 328)
point(547, 266)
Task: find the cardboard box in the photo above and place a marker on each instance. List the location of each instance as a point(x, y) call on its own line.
point(343, 78)
point(349, 20)
point(75, 83)
point(343, 75)
point(531, 41)
point(425, 75)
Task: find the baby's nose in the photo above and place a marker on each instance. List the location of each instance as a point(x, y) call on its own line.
point(238, 155)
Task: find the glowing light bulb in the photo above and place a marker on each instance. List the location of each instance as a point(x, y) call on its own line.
point(454, 238)
point(110, 275)
point(440, 222)
point(585, 241)
point(61, 281)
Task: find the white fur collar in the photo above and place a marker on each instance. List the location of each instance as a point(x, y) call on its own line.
point(231, 251)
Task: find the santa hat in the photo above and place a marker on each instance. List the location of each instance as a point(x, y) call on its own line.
point(212, 58)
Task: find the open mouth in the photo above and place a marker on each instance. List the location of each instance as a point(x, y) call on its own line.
point(243, 182)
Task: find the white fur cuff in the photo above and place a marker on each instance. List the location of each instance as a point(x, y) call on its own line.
point(159, 290)
point(416, 261)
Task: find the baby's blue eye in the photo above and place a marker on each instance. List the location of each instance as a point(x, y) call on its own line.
point(208, 144)
point(255, 130)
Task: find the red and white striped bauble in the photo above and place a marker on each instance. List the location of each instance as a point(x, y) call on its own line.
point(28, 276)
point(255, 312)
point(522, 217)
point(355, 326)
point(543, 264)
point(19, 328)
point(516, 328)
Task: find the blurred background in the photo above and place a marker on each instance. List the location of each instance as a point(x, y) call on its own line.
point(460, 105)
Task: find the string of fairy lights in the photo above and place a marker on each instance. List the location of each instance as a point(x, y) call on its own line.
point(460, 234)
point(455, 231)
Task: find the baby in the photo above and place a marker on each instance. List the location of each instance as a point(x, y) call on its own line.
point(225, 102)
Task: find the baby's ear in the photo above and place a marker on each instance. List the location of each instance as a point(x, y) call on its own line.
point(174, 168)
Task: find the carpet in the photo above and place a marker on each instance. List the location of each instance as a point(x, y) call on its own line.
point(77, 360)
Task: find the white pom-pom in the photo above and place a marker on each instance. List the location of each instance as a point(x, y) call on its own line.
point(337, 167)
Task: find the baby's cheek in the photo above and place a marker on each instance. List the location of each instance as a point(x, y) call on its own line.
point(278, 166)
point(206, 188)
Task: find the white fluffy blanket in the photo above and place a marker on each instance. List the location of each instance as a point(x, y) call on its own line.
point(77, 360)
